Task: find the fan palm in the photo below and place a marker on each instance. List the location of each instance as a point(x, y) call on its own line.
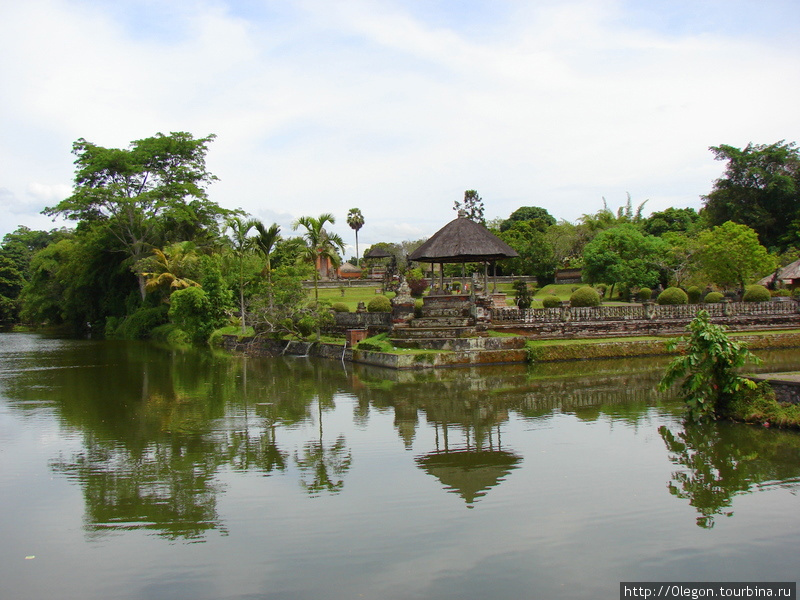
point(356, 221)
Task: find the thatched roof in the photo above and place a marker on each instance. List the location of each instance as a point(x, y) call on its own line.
point(349, 268)
point(463, 240)
point(377, 252)
point(785, 274)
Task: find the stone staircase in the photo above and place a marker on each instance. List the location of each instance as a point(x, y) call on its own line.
point(443, 318)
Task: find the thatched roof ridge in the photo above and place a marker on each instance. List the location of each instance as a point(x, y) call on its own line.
point(463, 240)
point(785, 274)
point(377, 252)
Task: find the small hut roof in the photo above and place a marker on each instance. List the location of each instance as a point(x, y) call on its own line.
point(787, 273)
point(463, 240)
point(349, 268)
point(377, 253)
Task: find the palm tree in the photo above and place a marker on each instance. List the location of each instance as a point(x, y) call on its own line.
point(321, 246)
point(265, 243)
point(169, 269)
point(241, 245)
point(356, 221)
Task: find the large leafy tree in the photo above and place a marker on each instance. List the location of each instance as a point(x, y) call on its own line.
point(147, 195)
point(321, 246)
point(761, 189)
point(356, 221)
point(537, 214)
point(536, 256)
point(623, 255)
point(731, 255)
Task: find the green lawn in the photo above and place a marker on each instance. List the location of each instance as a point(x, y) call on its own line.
point(352, 295)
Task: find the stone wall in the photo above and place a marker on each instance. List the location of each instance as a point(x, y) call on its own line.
point(375, 322)
point(645, 319)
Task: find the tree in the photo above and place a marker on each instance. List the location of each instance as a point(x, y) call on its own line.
point(624, 255)
point(540, 216)
point(265, 242)
point(148, 195)
point(761, 189)
point(241, 244)
point(536, 255)
point(731, 255)
point(321, 247)
point(708, 366)
point(679, 220)
point(472, 207)
point(170, 269)
point(11, 282)
point(356, 221)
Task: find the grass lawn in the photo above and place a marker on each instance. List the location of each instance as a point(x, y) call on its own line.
point(352, 295)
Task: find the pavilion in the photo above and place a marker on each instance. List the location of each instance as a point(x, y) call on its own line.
point(463, 241)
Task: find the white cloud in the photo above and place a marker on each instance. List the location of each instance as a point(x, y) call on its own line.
point(323, 106)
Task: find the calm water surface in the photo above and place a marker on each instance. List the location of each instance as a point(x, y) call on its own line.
point(127, 471)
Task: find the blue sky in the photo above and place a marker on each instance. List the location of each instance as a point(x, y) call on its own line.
point(397, 107)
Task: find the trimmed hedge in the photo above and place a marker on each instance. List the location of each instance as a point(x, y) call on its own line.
point(339, 307)
point(379, 304)
point(694, 293)
point(756, 293)
point(713, 297)
point(551, 301)
point(673, 295)
point(644, 294)
point(585, 296)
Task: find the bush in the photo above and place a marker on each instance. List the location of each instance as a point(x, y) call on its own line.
point(139, 325)
point(796, 292)
point(379, 304)
point(585, 296)
point(644, 294)
point(601, 289)
point(756, 293)
point(713, 298)
point(339, 307)
point(707, 369)
point(673, 295)
point(191, 310)
point(694, 293)
point(522, 293)
point(551, 301)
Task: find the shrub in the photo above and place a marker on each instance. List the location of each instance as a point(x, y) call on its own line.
point(796, 292)
point(694, 293)
point(672, 295)
point(644, 294)
point(523, 295)
point(585, 296)
point(139, 325)
point(551, 301)
point(339, 307)
point(379, 304)
point(191, 310)
point(782, 293)
point(756, 293)
point(707, 368)
point(713, 298)
point(601, 289)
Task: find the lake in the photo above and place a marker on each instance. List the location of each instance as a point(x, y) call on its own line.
point(133, 472)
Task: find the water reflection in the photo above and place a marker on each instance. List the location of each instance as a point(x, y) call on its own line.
point(722, 460)
point(160, 429)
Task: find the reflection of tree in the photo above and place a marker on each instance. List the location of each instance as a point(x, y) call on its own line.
point(722, 460)
point(323, 465)
point(169, 488)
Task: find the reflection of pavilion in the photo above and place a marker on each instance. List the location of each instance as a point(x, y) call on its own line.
point(469, 470)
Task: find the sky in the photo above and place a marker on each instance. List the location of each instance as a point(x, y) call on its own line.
point(396, 107)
